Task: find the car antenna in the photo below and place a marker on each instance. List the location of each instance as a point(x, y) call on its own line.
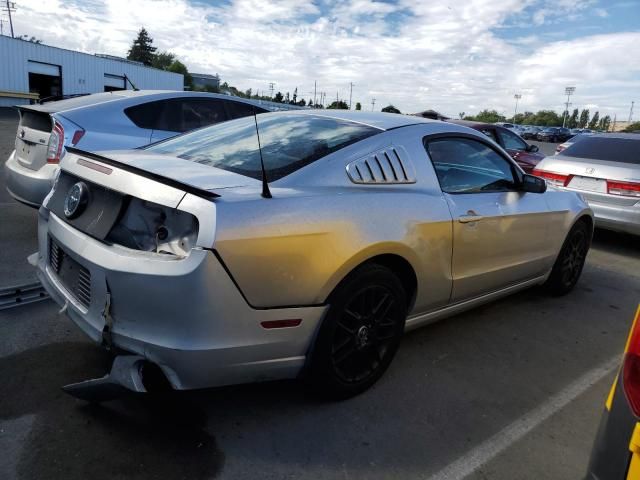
point(266, 193)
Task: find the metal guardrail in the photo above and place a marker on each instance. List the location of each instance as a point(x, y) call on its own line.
point(22, 295)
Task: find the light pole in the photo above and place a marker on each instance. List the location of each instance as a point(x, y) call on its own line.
point(568, 92)
point(350, 93)
point(517, 96)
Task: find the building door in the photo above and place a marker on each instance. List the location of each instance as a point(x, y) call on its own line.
point(45, 79)
point(113, 83)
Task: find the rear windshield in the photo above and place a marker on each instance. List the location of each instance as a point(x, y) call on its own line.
point(623, 150)
point(289, 142)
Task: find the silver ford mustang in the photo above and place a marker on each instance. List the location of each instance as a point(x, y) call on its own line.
point(294, 244)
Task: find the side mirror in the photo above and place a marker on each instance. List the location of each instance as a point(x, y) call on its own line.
point(532, 148)
point(533, 184)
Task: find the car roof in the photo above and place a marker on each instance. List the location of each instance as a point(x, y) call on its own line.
point(475, 125)
point(381, 120)
point(627, 136)
point(99, 98)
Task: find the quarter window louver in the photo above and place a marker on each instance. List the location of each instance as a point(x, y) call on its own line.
point(388, 166)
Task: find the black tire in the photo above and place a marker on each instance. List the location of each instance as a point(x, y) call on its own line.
point(360, 333)
point(568, 267)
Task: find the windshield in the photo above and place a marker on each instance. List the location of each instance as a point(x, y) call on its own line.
point(289, 142)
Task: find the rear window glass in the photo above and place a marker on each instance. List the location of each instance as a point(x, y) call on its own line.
point(240, 109)
point(36, 120)
point(623, 150)
point(289, 142)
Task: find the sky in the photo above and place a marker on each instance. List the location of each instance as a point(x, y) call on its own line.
point(450, 55)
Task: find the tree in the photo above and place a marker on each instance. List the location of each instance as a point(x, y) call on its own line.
point(605, 123)
point(142, 49)
point(390, 109)
point(163, 60)
point(339, 105)
point(179, 67)
point(593, 124)
point(488, 116)
point(358, 106)
point(572, 122)
point(584, 118)
point(461, 115)
point(301, 103)
point(278, 97)
point(295, 96)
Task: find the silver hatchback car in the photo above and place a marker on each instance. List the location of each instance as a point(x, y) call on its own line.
point(122, 119)
point(294, 244)
point(605, 169)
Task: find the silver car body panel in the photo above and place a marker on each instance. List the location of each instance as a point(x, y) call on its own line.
point(255, 259)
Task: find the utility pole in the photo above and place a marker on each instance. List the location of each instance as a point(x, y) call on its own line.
point(271, 85)
point(631, 111)
point(373, 103)
point(315, 86)
point(10, 7)
point(517, 96)
point(350, 93)
point(568, 92)
point(615, 117)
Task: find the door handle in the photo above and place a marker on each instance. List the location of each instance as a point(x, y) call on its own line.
point(470, 217)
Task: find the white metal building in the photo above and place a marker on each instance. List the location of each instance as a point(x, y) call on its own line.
point(30, 71)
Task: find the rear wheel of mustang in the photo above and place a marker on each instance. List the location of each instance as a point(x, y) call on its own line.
point(568, 267)
point(360, 334)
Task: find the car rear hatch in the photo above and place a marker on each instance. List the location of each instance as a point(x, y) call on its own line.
point(32, 137)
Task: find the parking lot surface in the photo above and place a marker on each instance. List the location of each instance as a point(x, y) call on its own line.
point(513, 390)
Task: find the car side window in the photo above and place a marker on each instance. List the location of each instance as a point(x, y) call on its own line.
point(465, 165)
point(145, 115)
point(511, 140)
point(201, 112)
point(491, 134)
point(240, 109)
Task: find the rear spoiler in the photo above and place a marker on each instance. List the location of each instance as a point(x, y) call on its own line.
point(198, 192)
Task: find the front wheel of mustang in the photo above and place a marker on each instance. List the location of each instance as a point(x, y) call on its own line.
point(568, 267)
point(360, 334)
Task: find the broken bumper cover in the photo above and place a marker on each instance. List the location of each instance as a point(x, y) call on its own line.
point(184, 315)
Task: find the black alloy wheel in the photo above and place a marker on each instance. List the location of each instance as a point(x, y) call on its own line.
point(360, 334)
point(570, 262)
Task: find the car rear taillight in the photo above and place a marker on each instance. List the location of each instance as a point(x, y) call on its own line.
point(56, 141)
point(552, 178)
point(78, 134)
point(628, 189)
point(631, 367)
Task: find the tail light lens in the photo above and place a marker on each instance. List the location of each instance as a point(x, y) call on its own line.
point(631, 367)
point(552, 178)
point(56, 141)
point(78, 134)
point(628, 189)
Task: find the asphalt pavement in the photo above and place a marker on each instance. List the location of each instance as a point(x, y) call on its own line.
point(513, 390)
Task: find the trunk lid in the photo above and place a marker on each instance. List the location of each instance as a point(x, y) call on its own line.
point(194, 174)
point(32, 137)
point(589, 176)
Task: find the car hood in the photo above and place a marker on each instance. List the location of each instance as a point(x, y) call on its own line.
point(190, 173)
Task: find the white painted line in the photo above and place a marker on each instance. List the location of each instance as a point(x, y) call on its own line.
point(490, 448)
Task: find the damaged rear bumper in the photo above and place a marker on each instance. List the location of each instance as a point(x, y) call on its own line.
point(184, 315)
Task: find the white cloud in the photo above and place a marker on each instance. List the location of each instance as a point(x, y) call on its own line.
point(433, 55)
